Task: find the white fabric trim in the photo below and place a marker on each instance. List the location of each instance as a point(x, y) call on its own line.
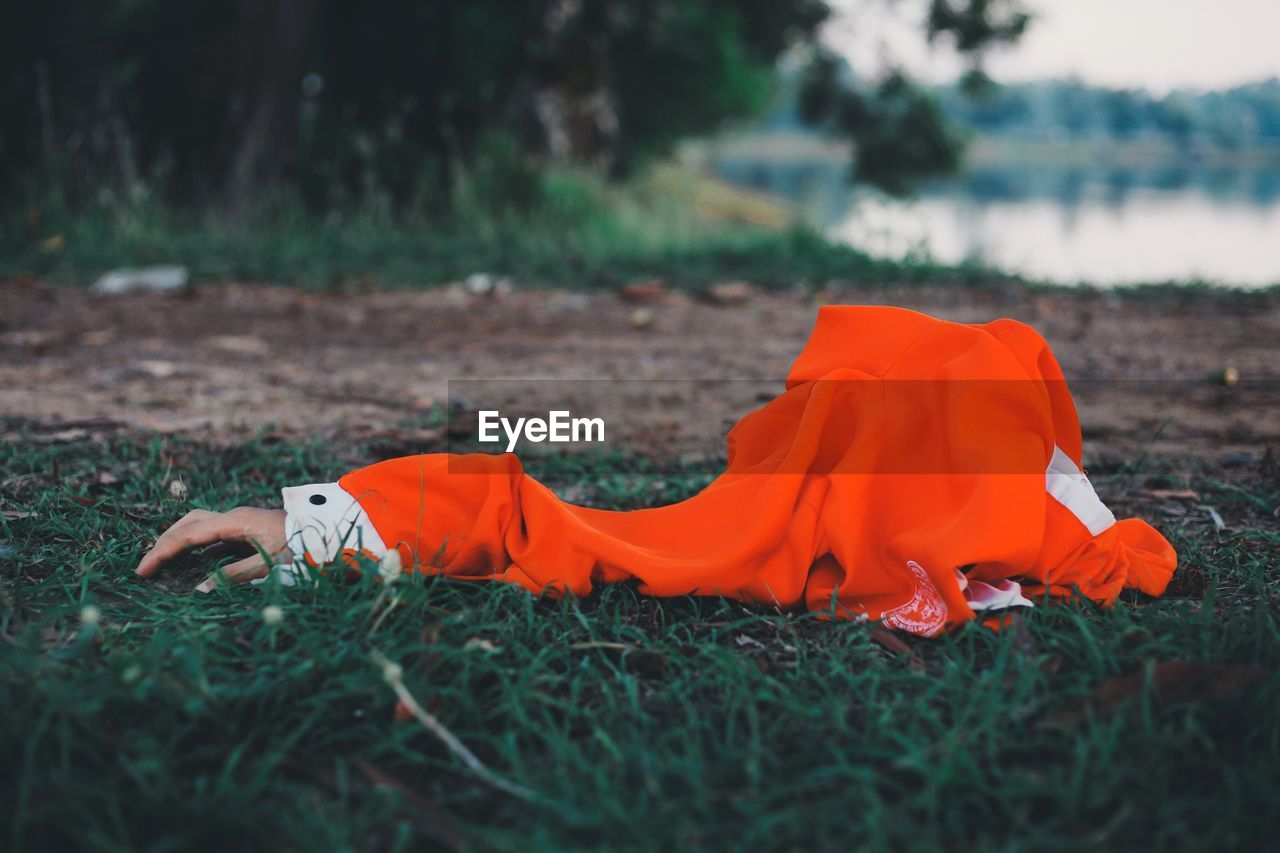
point(981, 595)
point(1068, 485)
point(322, 530)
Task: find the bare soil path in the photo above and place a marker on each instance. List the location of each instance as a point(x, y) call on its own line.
point(226, 360)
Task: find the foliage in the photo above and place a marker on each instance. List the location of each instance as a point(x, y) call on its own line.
point(572, 228)
point(898, 128)
point(176, 720)
point(1241, 116)
point(213, 104)
point(976, 25)
point(220, 100)
point(901, 133)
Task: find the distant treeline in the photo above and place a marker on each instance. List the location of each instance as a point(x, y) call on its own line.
point(1241, 117)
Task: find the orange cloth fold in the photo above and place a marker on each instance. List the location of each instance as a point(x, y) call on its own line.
point(905, 455)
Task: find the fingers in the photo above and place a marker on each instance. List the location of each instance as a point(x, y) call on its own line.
point(198, 527)
point(201, 527)
point(241, 571)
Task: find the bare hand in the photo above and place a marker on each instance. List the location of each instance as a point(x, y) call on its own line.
point(262, 529)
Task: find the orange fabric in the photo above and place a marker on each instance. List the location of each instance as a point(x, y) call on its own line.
point(903, 449)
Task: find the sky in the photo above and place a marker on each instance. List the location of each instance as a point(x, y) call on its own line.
point(1154, 44)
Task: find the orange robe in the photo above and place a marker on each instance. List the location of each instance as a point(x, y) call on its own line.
point(914, 471)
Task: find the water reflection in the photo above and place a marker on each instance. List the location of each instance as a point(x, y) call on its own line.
point(1065, 223)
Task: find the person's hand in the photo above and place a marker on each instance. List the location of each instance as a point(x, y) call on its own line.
point(261, 529)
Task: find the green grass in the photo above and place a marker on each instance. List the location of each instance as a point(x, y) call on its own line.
point(569, 228)
point(186, 721)
point(540, 227)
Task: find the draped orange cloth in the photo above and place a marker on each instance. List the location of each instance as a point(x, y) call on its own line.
point(912, 471)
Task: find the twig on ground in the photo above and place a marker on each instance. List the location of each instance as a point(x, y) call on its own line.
point(391, 672)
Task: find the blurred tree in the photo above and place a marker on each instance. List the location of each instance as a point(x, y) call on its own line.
point(1074, 106)
point(898, 128)
point(899, 131)
point(234, 97)
point(1123, 111)
point(1245, 116)
point(221, 101)
point(1173, 116)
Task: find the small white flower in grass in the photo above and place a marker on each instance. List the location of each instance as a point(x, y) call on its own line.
point(90, 616)
point(272, 615)
point(480, 644)
point(392, 672)
point(390, 567)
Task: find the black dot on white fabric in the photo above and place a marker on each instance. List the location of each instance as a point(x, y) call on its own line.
point(318, 499)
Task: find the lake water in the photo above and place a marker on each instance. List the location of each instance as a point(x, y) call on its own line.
point(1061, 224)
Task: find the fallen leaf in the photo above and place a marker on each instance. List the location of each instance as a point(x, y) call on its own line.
point(29, 338)
point(1178, 680)
point(1172, 494)
point(244, 344)
point(654, 290)
point(729, 293)
point(156, 369)
point(1171, 681)
point(889, 640)
point(97, 338)
point(892, 642)
point(105, 509)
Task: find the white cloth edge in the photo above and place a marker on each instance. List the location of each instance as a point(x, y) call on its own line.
point(1068, 485)
point(322, 530)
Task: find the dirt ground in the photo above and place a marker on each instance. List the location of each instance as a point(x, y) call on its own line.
point(226, 360)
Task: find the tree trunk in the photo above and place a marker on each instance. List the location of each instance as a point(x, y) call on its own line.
point(273, 48)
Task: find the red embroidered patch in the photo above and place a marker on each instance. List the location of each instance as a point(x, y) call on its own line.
point(925, 614)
